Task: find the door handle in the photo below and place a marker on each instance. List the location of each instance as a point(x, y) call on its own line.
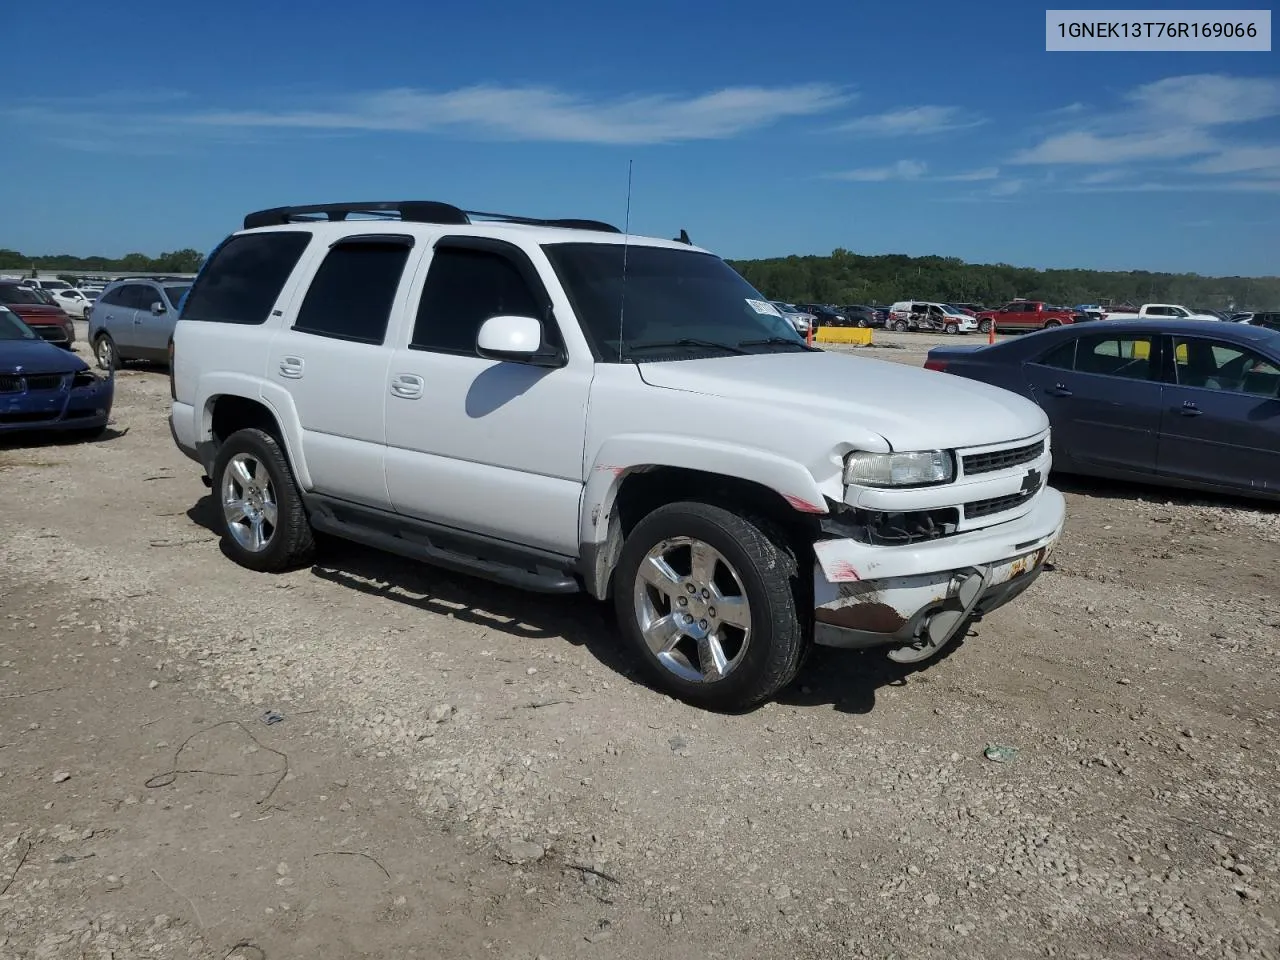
point(407, 386)
point(1189, 409)
point(291, 367)
point(1058, 390)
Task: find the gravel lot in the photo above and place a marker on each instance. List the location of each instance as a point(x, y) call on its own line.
point(469, 771)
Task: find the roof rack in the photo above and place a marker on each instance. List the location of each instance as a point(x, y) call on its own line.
point(409, 211)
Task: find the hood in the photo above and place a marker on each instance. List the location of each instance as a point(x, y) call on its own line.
point(912, 408)
point(37, 357)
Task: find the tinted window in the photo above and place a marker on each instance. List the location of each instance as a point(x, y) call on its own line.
point(1127, 356)
point(464, 289)
point(668, 295)
point(243, 279)
point(351, 295)
point(1062, 357)
point(112, 296)
point(1215, 365)
point(175, 294)
point(12, 293)
point(139, 296)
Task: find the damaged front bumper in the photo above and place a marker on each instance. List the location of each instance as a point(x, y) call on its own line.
point(873, 596)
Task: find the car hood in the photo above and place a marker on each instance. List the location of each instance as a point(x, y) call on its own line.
point(37, 357)
point(912, 408)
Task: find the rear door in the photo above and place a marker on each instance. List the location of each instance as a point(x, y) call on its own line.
point(331, 356)
point(1102, 396)
point(114, 313)
point(1221, 418)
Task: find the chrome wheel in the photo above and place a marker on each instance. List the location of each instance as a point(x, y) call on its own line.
point(249, 502)
point(692, 610)
point(105, 353)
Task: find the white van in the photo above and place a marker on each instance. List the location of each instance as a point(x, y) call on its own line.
point(928, 315)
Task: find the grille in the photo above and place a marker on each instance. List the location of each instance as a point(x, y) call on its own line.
point(994, 505)
point(1002, 459)
point(27, 417)
point(10, 384)
point(50, 382)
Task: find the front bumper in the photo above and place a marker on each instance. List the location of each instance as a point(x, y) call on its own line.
point(68, 408)
point(870, 596)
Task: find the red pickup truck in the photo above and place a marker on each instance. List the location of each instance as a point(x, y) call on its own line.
point(1026, 315)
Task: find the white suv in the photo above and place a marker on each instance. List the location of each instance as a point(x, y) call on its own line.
point(562, 407)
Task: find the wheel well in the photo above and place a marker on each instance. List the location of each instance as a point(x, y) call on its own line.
point(232, 413)
point(646, 489)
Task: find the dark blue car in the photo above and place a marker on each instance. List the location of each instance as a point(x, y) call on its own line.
point(46, 388)
point(1188, 403)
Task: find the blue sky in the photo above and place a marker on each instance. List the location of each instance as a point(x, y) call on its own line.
point(763, 129)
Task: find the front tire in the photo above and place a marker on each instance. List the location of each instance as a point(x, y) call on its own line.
point(984, 326)
point(709, 601)
point(951, 329)
point(104, 351)
point(261, 518)
point(901, 326)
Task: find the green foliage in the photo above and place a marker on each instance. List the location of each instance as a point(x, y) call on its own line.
point(177, 261)
point(846, 278)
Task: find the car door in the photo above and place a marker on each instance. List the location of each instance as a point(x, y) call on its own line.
point(1221, 418)
point(115, 313)
point(151, 330)
point(331, 356)
point(1103, 398)
point(489, 447)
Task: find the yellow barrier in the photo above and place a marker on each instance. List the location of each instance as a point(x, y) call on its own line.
point(843, 335)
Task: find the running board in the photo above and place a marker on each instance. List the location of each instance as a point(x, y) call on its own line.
point(444, 547)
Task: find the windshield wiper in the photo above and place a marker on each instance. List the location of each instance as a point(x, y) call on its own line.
point(685, 342)
point(781, 341)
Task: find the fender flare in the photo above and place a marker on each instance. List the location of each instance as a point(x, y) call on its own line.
point(275, 399)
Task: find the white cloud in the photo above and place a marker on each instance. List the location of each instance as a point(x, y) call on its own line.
point(1007, 188)
point(1241, 160)
point(1205, 100)
point(1105, 176)
point(902, 170)
point(984, 173)
point(542, 113)
point(912, 121)
point(1086, 147)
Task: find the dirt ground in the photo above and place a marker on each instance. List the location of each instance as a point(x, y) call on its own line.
point(463, 770)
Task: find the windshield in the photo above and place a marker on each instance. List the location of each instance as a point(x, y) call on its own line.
point(55, 284)
point(12, 293)
point(670, 296)
point(11, 328)
point(175, 294)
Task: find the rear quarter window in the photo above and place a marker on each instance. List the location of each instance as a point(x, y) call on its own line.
point(244, 277)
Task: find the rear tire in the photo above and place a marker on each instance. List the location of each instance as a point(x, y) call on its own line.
point(261, 517)
point(678, 563)
point(1050, 324)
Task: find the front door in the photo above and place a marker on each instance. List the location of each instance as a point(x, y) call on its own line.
point(331, 357)
point(1103, 400)
point(115, 314)
point(152, 330)
point(1221, 421)
point(485, 446)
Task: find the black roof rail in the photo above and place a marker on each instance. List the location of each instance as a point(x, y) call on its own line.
point(411, 211)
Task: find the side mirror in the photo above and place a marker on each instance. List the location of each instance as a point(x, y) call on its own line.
point(157, 308)
point(515, 339)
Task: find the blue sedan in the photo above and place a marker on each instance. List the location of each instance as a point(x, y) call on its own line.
point(46, 388)
point(1184, 403)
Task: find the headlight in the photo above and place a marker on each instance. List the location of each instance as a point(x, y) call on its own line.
point(85, 378)
point(914, 469)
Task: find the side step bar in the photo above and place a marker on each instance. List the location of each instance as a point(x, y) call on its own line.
point(444, 547)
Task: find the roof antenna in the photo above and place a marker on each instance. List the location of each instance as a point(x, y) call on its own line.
point(626, 236)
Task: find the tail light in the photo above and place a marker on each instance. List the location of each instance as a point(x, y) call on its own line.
point(173, 386)
point(939, 365)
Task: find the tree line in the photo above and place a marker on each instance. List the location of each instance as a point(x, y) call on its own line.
point(176, 261)
point(849, 278)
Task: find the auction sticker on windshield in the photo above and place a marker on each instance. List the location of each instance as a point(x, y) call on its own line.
point(763, 306)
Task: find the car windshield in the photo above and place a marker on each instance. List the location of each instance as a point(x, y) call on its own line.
point(674, 303)
point(12, 293)
point(11, 328)
point(175, 294)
